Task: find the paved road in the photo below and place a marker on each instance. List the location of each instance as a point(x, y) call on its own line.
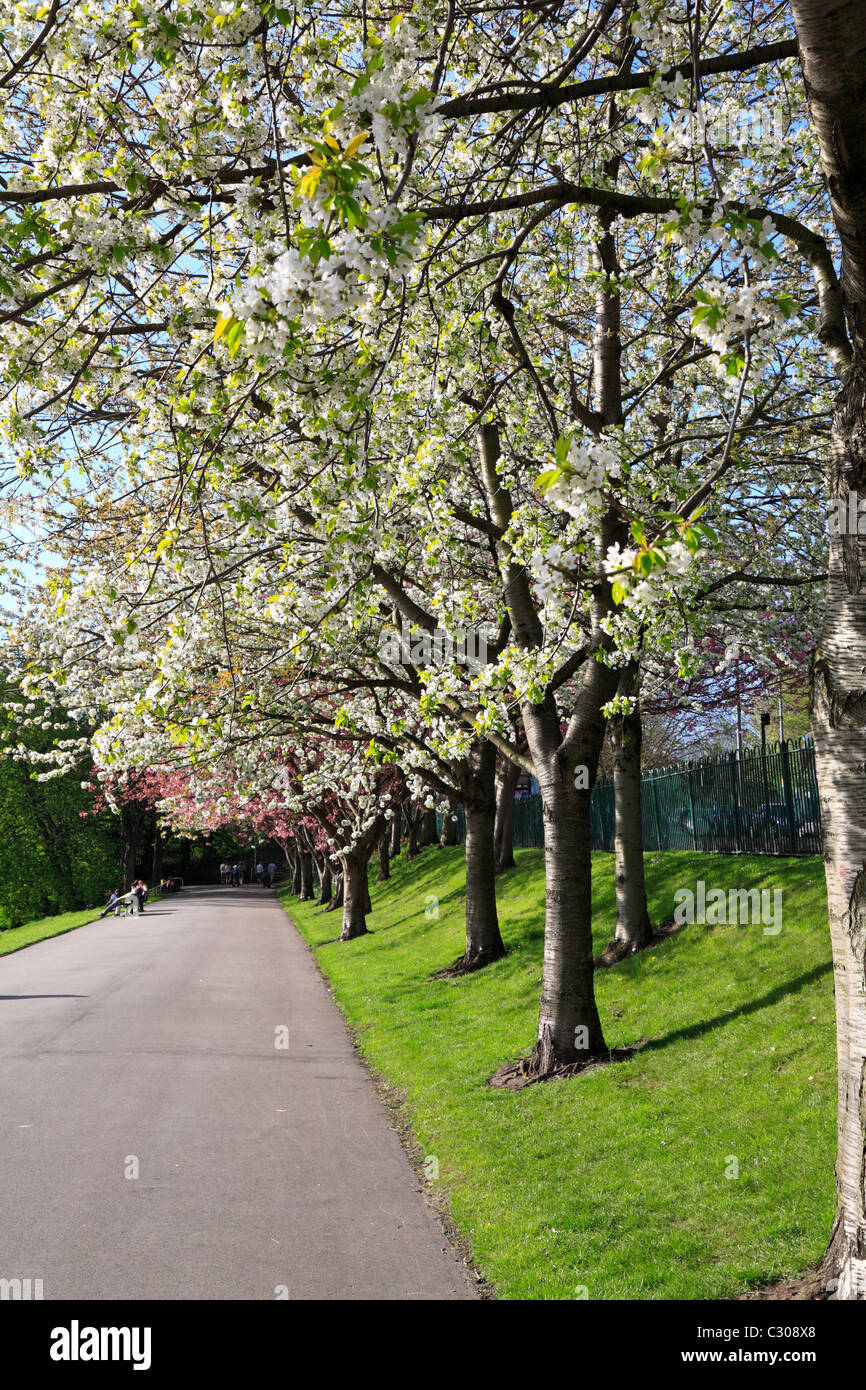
point(152, 1038)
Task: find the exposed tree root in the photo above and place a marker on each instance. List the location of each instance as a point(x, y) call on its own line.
point(355, 934)
point(515, 1075)
point(467, 965)
point(617, 950)
point(809, 1288)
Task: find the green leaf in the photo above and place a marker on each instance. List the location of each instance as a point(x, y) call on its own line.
point(233, 337)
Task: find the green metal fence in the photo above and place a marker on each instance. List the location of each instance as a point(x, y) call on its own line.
point(764, 802)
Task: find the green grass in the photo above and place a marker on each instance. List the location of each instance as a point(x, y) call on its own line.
point(613, 1182)
point(15, 937)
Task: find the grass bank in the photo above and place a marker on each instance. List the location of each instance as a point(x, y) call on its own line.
point(701, 1167)
point(13, 938)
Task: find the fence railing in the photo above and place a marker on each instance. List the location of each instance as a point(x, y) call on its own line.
point(763, 802)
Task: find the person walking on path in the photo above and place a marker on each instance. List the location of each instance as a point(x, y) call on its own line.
point(272, 873)
point(260, 873)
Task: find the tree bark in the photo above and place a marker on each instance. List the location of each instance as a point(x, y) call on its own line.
point(156, 860)
point(503, 834)
point(396, 830)
point(326, 881)
point(569, 1027)
point(337, 899)
point(449, 826)
point(483, 940)
point(428, 834)
point(297, 873)
point(384, 858)
point(356, 895)
point(412, 818)
point(832, 41)
point(839, 726)
point(306, 860)
point(131, 823)
point(633, 927)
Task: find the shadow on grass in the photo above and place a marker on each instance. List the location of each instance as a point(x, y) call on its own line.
point(753, 1006)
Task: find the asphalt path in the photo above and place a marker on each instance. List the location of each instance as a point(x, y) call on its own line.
point(149, 1045)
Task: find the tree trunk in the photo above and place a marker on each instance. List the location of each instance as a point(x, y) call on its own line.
point(633, 927)
point(428, 834)
point(449, 826)
point(297, 873)
point(326, 882)
point(504, 832)
point(412, 836)
point(156, 861)
point(396, 830)
point(569, 1028)
point(839, 726)
point(832, 41)
point(483, 940)
point(306, 859)
point(130, 820)
point(356, 895)
point(384, 858)
point(337, 900)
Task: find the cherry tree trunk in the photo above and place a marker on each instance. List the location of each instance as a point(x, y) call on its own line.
point(832, 43)
point(428, 834)
point(839, 727)
point(156, 860)
point(412, 838)
point(326, 882)
point(483, 940)
point(297, 873)
point(448, 834)
point(396, 826)
point(633, 927)
point(356, 895)
point(337, 900)
point(131, 821)
point(384, 859)
point(306, 876)
point(569, 1027)
point(503, 834)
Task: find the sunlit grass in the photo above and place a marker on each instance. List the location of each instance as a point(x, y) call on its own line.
point(615, 1182)
point(15, 937)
